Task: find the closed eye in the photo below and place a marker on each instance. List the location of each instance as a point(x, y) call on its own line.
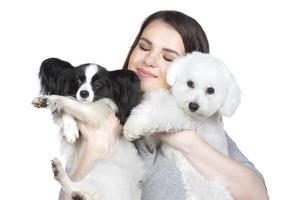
point(168, 59)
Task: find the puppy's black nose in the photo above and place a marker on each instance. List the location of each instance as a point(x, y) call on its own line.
point(193, 106)
point(84, 94)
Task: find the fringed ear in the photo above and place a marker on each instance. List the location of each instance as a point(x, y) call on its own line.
point(54, 76)
point(126, 88)
point(232, 99)
point(173, 71)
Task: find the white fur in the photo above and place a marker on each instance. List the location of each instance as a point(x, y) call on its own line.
point(114, 177)
point(90, 71)
point(168, 111)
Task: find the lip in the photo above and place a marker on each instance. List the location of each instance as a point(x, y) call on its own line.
point(145, 73)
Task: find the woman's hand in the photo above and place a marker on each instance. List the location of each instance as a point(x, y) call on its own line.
point(99, 140)
point(183, 141)
point(98, 137)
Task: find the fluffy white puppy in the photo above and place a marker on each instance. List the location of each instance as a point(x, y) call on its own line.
point(202, 91)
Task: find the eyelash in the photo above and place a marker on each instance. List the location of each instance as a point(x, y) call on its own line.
point(168, 60)
point(143, 48)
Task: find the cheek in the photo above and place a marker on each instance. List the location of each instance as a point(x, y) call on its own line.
point(215, 103)
point(134, 59)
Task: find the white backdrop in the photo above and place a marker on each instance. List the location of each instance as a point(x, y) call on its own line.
point(258, 40)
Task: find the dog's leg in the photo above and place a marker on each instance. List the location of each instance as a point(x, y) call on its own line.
point(69, 128)
point(158, 113)
point(61, 176)
point(68, 185)
point(86, 112)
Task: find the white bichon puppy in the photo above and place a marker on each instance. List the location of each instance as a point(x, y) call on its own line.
point(202, 91)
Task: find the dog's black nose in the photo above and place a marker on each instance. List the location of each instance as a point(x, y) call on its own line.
point(193, 106)
point(84, 94)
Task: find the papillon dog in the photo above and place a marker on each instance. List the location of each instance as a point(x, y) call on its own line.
point(89, 93)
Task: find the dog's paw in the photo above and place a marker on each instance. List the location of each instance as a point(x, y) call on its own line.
point(70, 132)
point(77, 196)
point(40, 102)
point(57, 168)
point(134, 128)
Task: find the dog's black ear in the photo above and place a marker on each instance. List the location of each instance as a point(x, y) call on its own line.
point(126, 92)
point(55, 76)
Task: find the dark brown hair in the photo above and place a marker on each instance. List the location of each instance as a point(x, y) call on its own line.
point(191, 32)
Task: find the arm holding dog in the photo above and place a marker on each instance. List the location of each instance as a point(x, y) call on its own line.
point(242, 182)
point(93, 150)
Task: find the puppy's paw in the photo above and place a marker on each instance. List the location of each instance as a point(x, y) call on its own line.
point(134, 128)
point(77, 196)
point(40, 102)
point(70, 132)
point(57, 168)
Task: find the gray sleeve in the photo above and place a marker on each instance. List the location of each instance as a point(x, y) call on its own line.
point(237, 155)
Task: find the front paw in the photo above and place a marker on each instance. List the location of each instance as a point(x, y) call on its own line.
point(40, 102)
point(70, 133)
point(134, 128)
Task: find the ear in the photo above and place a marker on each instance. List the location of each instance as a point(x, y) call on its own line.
point(232, 99)
point(173, 71)
point(54, 76)
point(126, 92)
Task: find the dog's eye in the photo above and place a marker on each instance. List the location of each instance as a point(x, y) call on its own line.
point(78, 81)
point(190, 84)
point(210, 90)
point(98, 84)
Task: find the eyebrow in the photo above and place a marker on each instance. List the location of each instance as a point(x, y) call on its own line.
point(164, 49)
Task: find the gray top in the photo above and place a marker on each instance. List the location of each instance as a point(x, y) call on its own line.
point(162, 180)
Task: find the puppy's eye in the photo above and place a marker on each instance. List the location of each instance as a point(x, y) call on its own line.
point(210, 90)
point(190, 84)
point(98, 84)
point(78, 81)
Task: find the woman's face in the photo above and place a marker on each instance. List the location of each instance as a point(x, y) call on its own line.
point(158, 46)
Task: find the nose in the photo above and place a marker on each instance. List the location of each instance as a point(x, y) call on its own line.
point(193, 106)
point(84, 94)
point(151, 59)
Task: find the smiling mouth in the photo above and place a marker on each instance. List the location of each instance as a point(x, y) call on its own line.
point(145, 74)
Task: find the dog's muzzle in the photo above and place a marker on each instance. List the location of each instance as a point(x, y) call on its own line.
point(193, 106)
point(84, 94)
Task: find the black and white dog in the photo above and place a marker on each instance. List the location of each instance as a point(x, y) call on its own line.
point(89, 93)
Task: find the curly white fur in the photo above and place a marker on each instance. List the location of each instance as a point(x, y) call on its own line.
point(202, 91)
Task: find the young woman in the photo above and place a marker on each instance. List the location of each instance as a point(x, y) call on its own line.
point(163, 37)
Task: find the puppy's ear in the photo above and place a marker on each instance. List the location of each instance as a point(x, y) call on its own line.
point(126, 92)
point(232, 100)
point(173, 71)
point(55, 75)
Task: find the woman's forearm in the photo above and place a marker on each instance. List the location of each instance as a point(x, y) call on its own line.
point(84, 164)
point(239, 180)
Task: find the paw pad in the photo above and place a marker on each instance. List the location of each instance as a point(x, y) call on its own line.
point(40, 102)
point(77, 196)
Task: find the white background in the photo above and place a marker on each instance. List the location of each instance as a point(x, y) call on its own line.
point(258, 40)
